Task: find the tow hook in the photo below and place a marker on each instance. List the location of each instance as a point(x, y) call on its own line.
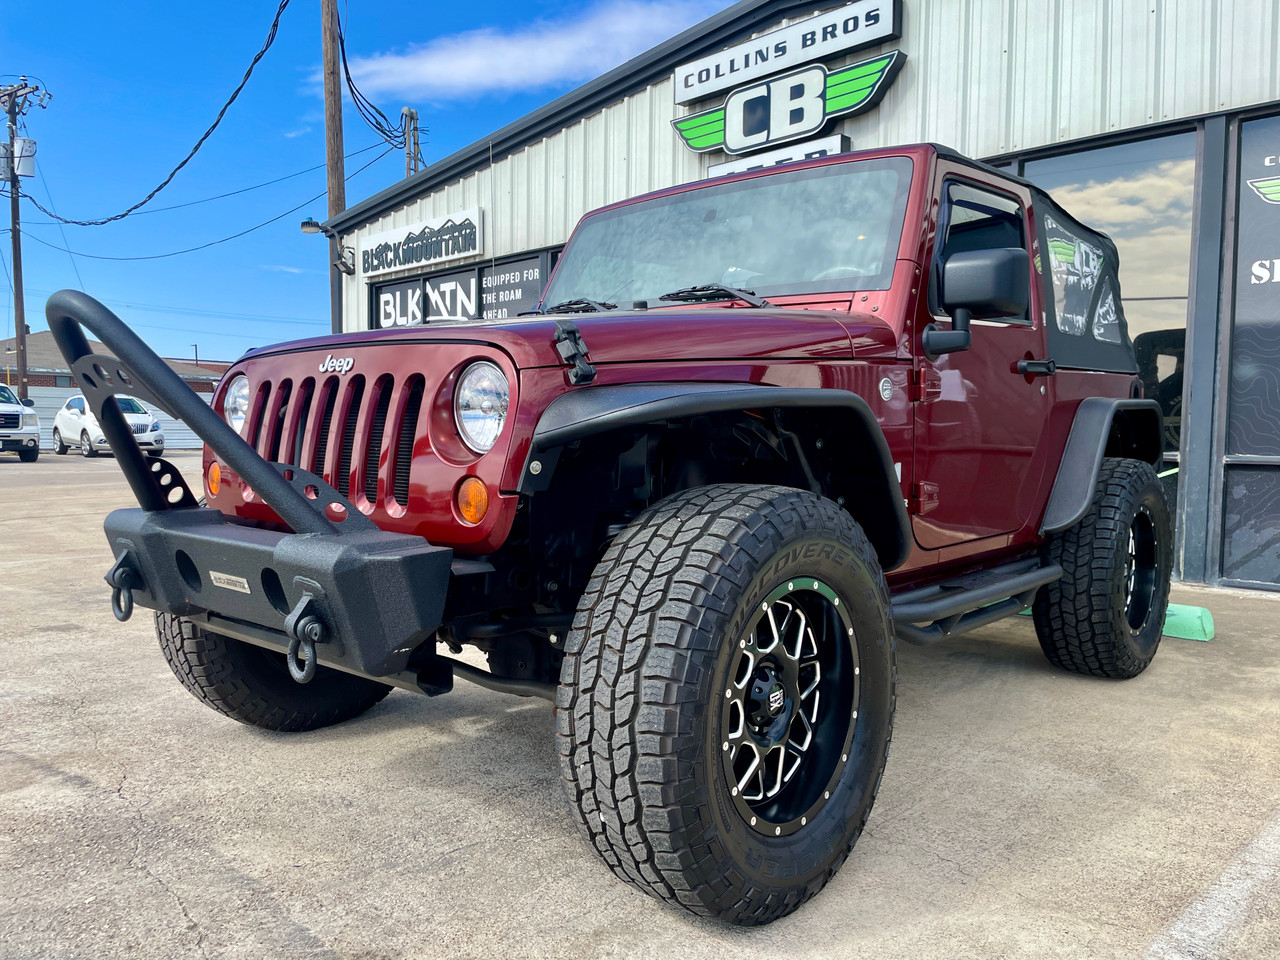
point(305, 629)
point(124, 579)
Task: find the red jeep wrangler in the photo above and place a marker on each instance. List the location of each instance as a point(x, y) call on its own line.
point(762, 426)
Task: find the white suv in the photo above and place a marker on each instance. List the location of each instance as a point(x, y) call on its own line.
point(75, 425)
point(19, 426)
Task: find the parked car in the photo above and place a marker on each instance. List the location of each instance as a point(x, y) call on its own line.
point(75, 426)
point(696, 517)
point(19, 426)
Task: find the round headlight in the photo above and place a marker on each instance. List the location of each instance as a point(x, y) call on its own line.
point(235, 404)
point(480, 405)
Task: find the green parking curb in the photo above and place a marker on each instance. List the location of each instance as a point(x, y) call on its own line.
point(1188, 623)
point(1182, 622)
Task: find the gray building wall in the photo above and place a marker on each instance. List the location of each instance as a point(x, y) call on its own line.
point(985, 76)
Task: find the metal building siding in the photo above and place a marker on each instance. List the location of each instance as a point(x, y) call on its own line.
point(984, 76)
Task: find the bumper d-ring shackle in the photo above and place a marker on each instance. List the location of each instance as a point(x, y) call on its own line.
point(305, 629)
point(124, 579)
point(122, 600)
point(307, 634)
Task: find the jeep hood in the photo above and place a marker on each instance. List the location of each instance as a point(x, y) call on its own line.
point(664, 335)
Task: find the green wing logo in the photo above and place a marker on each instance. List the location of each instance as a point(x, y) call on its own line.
point(858, 88)
point(702, 131)
point(1062, 251)
point(849, 91)
point(1268, 189)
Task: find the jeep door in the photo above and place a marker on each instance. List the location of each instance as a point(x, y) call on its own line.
point(977, 420)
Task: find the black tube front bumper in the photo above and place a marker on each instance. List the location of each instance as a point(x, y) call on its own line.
point(337, 587)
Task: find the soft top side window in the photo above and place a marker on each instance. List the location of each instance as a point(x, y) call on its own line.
point(973, 219)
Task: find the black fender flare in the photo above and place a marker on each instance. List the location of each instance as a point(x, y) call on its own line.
point(590, 411)
point(1093, 436)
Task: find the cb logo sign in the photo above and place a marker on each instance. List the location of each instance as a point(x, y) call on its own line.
point(789, 107)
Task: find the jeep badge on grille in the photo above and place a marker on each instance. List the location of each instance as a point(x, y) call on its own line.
point(339, 364)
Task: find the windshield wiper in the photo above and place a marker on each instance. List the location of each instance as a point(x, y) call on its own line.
point(582, 306)
point(717, 291)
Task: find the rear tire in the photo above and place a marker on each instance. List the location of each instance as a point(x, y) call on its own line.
point(1106, 615)
point(252, 684)
point(675, 679)
point(59, 447)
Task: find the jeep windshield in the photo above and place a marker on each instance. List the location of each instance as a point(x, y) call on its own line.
point(824, 229)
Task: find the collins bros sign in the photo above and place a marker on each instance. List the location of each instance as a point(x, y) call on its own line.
point(789, 101)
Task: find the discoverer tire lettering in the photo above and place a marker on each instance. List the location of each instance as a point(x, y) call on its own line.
point(638, 715)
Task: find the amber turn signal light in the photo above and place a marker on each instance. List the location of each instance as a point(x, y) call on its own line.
point(473, 499)
point(214, 478)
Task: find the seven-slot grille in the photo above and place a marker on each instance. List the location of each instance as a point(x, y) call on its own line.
point(340, 427)
point(10, 421)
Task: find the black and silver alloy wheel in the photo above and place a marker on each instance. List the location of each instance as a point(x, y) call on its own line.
point(790, 707)
point(86, 445)
point(726, 699)
point(1141, 570)
point(1106, 615)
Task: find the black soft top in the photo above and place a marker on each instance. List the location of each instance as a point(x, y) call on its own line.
point(1079, 268)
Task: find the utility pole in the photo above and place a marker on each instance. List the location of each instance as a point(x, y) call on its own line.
point(14, 99)
point(411, 152)
point(333, 149)
point(196, 348)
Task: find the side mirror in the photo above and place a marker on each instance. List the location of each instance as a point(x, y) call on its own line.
point(979, 284)
point(28, 402)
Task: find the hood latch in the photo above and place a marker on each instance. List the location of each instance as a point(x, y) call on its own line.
point(573, 351)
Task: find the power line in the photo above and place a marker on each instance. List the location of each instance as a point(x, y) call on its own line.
point(199, 313)
point(192, 203)
point(211, 243)
point(394, 134)
point(63, 233)
point(256, 186)
point(271, 37)
point(8, 309)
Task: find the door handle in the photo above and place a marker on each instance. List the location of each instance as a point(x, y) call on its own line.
point(1037, 368)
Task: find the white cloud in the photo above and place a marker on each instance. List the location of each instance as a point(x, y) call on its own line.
point(280, 268)
point(1149, 216)
point(290, 134)
point(537, 54)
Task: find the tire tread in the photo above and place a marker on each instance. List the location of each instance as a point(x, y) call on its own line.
point(626, 739)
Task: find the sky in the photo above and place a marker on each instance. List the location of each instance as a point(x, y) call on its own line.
point(134, 86)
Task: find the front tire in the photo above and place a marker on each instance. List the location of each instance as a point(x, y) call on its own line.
point(29, 455)
point(726, 700)
point(252, 684)
point(1106, 615)
point(87, 449)
point(59, 447)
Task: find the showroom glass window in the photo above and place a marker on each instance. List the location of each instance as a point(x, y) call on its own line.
point(1251, 492)
point(1142, 195)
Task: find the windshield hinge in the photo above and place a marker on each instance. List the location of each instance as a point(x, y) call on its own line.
point(925, 384)
point(923, 499)
point(573, 351)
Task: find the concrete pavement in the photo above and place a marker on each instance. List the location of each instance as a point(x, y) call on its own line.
point(1024, 813)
